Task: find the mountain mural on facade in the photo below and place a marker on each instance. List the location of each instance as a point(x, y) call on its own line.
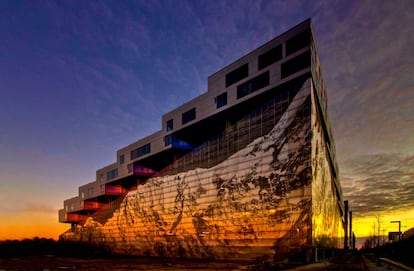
point(256, 203)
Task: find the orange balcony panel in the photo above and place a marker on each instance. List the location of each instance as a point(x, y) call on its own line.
point(65, 217)
point(113, 190)
point(92, 205)
point(73, 217)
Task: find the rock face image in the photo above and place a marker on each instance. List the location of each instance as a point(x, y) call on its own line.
point(245, 171)
point(261, 189)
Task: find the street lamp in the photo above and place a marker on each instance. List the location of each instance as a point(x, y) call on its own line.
point(399, 228)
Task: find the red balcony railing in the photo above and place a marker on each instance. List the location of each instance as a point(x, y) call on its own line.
point(65, 217)
point(92, 205)
point(107, 189)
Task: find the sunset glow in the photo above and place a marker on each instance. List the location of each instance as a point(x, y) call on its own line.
point(31, 225)
point(366, 226)
point(79, 81)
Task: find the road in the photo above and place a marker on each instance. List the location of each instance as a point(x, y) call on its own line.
point(347, 262)
point(353, 262)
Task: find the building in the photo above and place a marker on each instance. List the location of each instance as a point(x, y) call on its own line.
point(246, 170)
point(408, 233)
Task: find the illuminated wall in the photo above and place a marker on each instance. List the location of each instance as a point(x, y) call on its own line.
point(251, 192)
point(327, 202)
point(327, 227)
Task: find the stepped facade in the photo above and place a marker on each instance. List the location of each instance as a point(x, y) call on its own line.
point(245, 171)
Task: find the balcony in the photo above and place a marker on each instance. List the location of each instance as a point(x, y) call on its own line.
point(65, 217)
point(107, 189)
point(92, 205)
point(140, 170)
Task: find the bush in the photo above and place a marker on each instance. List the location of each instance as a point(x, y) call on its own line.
point(44, 246)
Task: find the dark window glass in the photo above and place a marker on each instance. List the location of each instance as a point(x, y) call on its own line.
point(221, 100)
point(237, 75)
point(109, 175)
point(189, 115)
point(121, 159)
point(298, 42)
point(141, 151)
point(270, 57)
point(144, 149)
point(90, 192)
point(168, 139)
point(112, 174)
point(252, 85)
point(170, 125)
point(296, 64)
point(130, 167)
point(176, 142)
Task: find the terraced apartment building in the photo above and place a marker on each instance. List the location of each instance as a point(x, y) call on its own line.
point(245, 171)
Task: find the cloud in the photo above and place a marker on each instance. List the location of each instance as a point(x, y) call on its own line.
point(366, 56)
point(113, 69)
point(27, 208)
point(39, 208)
point(379, 182)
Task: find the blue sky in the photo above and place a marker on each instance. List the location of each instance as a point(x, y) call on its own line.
point(81, 79)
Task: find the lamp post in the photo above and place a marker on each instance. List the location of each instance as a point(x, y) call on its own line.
point(399, 228)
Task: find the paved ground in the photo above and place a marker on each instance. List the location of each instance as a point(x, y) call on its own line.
point(385, 265)
point(357, 262)
point(345, 262)
point(115, 264)
point(348, 262)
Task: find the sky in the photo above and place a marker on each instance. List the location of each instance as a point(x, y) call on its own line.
point(82, 79)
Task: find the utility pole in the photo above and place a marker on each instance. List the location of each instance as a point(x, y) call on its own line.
point(346, 225)
point(351, 240)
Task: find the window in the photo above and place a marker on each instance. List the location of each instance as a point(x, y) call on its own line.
point(170, 125)
point(298, 42)
point(252, 85)
point(130, 167)
point(270, 57)
point(237, 75)
point(121, 159)
point(90, 192)
point(141, 151)
point(112, 174)
point(101, 178)
point(83, 194)
point(144, 149)
point(295, 64)
point(168, 140)
point(189, 115)
point(176, 142)
point(221, 100)
point(67, 208)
